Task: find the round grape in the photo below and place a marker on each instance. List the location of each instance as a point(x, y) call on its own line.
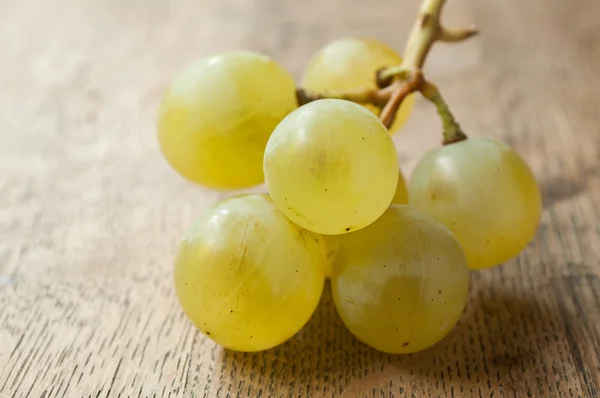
point(484, 192)
point(401, 284)
point(351, 63)
point(217, 115)
point(246, 276)
point(331, 167)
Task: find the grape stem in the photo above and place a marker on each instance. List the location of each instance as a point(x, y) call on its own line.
point(452, 131)
point(427, 30)
point(395, 83)
point(401, 90)
point(360, 95)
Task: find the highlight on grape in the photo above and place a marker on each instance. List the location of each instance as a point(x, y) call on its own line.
point(397, 250)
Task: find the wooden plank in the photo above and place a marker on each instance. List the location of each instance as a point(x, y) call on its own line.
point(90, 213)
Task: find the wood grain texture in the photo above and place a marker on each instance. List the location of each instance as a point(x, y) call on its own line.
point(90, 213)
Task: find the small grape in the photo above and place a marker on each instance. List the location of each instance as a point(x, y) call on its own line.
point(350, 63)
point(248, 277)
point(401, 195)
point(331, 167)
point(401, 284)
point(484, 192)
point(217, 115)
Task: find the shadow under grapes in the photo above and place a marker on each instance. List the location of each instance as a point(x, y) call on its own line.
point(498, 344)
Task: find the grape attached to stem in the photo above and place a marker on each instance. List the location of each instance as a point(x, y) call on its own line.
point(484, 192)
point(351, 63)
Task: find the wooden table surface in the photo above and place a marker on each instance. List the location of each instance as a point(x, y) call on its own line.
point(90, 213)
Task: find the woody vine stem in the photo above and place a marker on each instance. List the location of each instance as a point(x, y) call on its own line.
point(396, 82)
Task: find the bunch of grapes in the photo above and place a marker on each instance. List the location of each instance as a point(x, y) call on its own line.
point(251, 270)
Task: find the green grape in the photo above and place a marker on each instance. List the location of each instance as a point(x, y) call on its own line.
point(401, 284)
point(331, 167)
point(217, 115)
point(401, 195)
point(484, 192)
point(351, 63)
point(248, 277)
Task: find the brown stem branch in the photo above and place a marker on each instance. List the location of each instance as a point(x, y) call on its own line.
point(401, 91)
point(378, 97)
point(397, 82)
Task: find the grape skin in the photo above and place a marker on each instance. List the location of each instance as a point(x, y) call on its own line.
point(351, 63)
point(331, 167)
point(332, 241)
point(484, 192)
point(217, 115)
point(401, 284)
point(246, 276)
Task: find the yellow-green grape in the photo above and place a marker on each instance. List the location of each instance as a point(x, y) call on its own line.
point(217, 115)
point(401, 195)
point(248, 277)
point(331, 167)
point(484, 192)
point(401, 284)
point(351, 63)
